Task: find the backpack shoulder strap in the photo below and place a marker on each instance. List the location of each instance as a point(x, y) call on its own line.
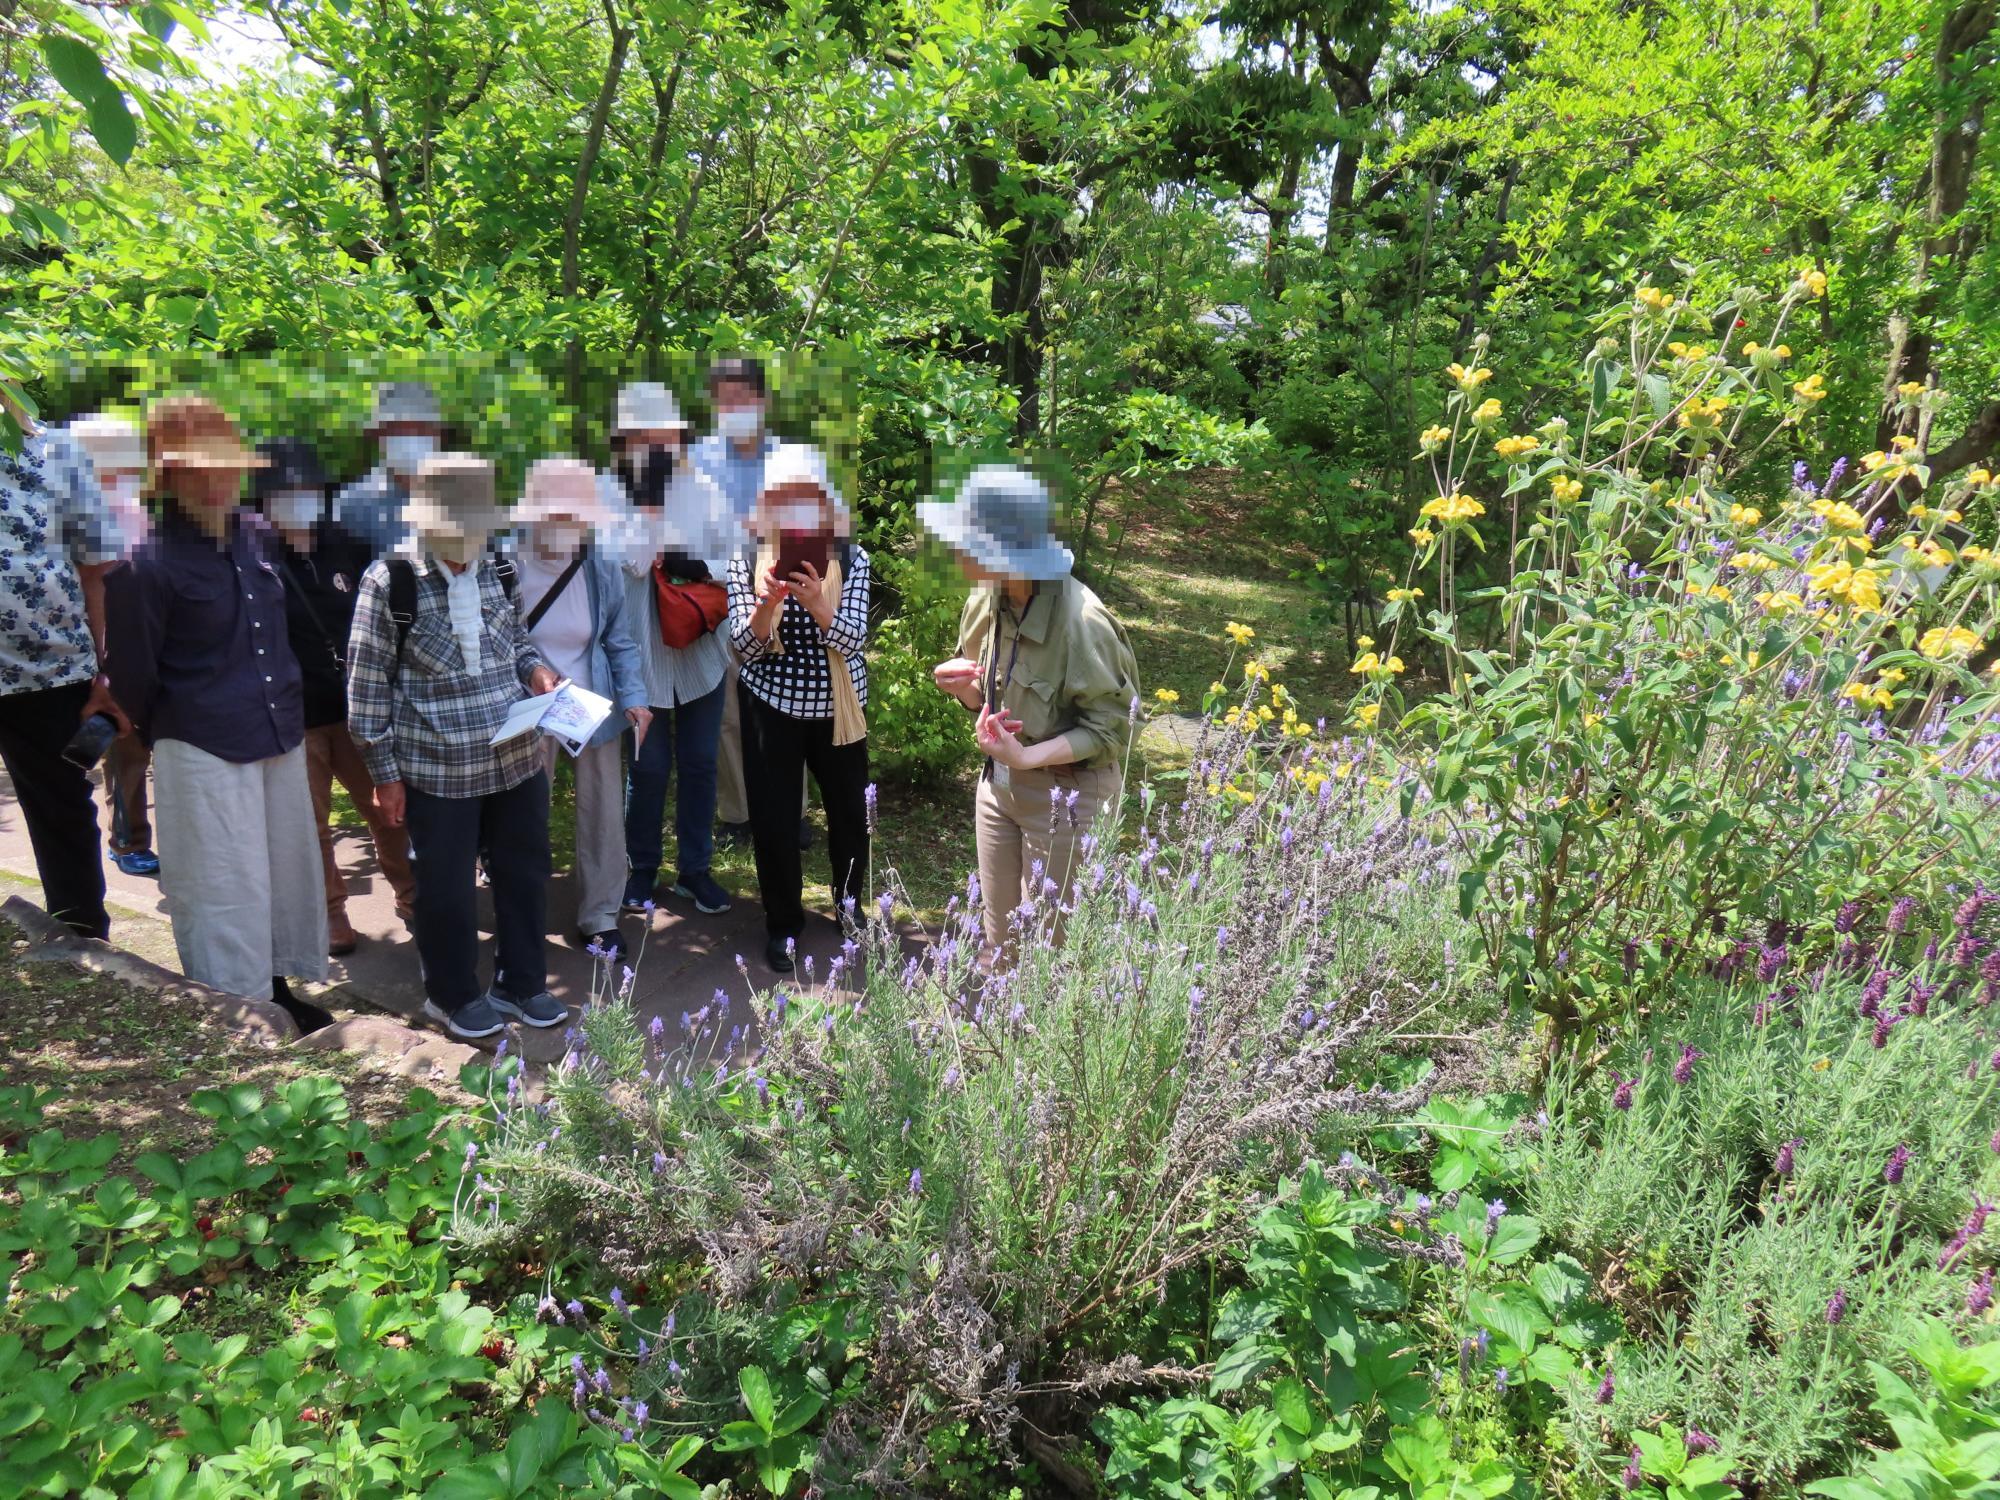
point(508, 574)
point(402, 599)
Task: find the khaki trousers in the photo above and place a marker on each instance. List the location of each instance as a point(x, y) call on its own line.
point(332, 755)
point(600, 864)
point(1019, 829)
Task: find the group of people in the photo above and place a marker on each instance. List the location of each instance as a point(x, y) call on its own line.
point(248, 657)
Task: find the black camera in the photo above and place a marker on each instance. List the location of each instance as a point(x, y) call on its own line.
point(93, 737)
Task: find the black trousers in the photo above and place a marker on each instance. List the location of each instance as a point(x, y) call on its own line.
point(448, 836)
point(777, 752)
point(54, 798)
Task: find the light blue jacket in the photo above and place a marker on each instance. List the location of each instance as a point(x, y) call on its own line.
point(616, 671)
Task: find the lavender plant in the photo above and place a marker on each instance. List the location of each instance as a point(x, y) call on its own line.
point(987, 1171)
point(1782, 1177)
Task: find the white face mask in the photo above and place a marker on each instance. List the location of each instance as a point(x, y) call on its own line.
point(121, 491)
point(404, 452)
point(740, 423)
point(558, 538)
point(294, 510)
point(455, 549)
point(796, 515)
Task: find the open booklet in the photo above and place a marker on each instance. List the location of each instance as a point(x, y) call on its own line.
point(569, 716)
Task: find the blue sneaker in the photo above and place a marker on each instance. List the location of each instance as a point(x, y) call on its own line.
point(708, 897)
point(139, 862)
point(471, 1021)
point(537, 1010)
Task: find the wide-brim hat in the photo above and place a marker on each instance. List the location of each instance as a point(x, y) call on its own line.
point(561, 487)
point(647, 406)
point(404, 401)
point(453, 495)
point(797, 465)
point(1000, 519)
point(291, 464)
point(112, 444)
point(194, 433)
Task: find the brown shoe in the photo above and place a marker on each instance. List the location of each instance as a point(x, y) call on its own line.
point(340, 939)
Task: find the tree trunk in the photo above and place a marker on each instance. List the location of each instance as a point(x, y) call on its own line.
point(647, 327)
point(386, 183)
point(593, 141)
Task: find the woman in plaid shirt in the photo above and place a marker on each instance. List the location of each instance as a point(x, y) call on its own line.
point(424, 696)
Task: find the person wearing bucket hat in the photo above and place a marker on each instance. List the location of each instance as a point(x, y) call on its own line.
point(574, 598)
point(407, 426)
point(436, 658)
point(322, 563)
point(799, 621)
point(201, 662)
point(117, 452)
point(62, 539)
point(682, 533)
point(1050, 676)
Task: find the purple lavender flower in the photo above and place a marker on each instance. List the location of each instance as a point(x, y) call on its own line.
point(1836, 473)
point(1879, 1038)
point(868, 798)
point(1801, 474)
point(1981, 1296)
point(1684, 1065)
point(1899, 915)
point(1621, 1097)
point(1699, 1442)
point(1836, 1306)
point(1495, 1212)
point(1968, 909)
point(618, 1302)
point(1770, 962)
point(1500, 1380)
point(1892, 1169)
point(1782, 1162)
point(575, 1309)
point(1606, 1389)
point(1848, 915)
point(1630, 1478)
point(916, 1182)
point(640, 1414)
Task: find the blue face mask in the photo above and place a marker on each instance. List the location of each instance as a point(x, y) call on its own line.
point(404, 452)
point(740, 424)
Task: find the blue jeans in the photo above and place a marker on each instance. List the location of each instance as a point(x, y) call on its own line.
point(691, 733)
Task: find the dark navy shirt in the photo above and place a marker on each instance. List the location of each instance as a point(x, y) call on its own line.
point(196, 641)
point(321, 585)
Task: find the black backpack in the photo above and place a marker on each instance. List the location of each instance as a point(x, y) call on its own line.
point(403, 591)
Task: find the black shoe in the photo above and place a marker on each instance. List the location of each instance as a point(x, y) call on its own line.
point(805, 834)
point(778, 954)
point(733, 835)
point(308, 1017)
point(607, 944)
point(709, 898)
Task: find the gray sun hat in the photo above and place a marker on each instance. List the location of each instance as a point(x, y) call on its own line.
point(409, 401)
point(1000, 519)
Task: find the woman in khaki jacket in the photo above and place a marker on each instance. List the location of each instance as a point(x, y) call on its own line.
point(1051, 677)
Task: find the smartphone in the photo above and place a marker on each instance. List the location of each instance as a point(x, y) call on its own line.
point(93, 737)
point(799, 547)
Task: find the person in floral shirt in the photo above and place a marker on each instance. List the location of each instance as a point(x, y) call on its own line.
point(57, 540)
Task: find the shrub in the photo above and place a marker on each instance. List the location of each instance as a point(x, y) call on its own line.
point(1782, 1177)
point(983, 1179)
point(1691, 703)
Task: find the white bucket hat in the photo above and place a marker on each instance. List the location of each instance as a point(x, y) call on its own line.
point(799, 464)
point(405, 401)
point(566, 487)
point(646, 406)
point(111, 443)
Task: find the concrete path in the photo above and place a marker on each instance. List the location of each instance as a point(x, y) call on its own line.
point(686, 958)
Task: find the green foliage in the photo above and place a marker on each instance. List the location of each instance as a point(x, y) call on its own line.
point(274, 1315)
point(1947, 1437)
point(1764, 1258)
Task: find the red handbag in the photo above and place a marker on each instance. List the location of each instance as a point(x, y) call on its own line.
point(688, 611)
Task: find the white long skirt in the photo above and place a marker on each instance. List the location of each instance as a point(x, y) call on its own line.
point(240, 867)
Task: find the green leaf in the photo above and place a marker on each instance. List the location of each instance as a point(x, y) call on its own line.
point(111, 122)
point(1513, 1237)
point(76, 67)
point(1294, 1408)
point(756, 1388)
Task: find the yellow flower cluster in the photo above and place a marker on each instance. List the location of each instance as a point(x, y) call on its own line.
point(1810, 390)
point(1776, 352)
point(1702, 414)
point(1980, 479)
point(1404, 596)
point(1468, 380)
point(1688, 352)
point(1240, 633)
point(1423, 536)
point(1890, 467)
point(1566, 491)
point(1486, 413)
point(1948, 643)
point(1982, 559)
point(1838, 515)
point(1435, 438)
point(1367, 714)
point(1813, 283)
point(1781, 603)
point(1745, 515)
point(1368, 664)
point(1166, 695)
point(1453, 509)
point(1652, 299)
point(1868, 695)
point(1854, 587)
point(1909, 390)
point(1511, 448)
point(1754, 562)
point(1950, 517)
point(1708, 591)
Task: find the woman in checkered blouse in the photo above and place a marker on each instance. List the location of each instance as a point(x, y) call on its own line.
point(804, 691)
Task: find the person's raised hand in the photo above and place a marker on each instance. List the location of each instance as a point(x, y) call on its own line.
point(960, 678)
point(996, 734)
point(772, 589)
point(810, 590)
